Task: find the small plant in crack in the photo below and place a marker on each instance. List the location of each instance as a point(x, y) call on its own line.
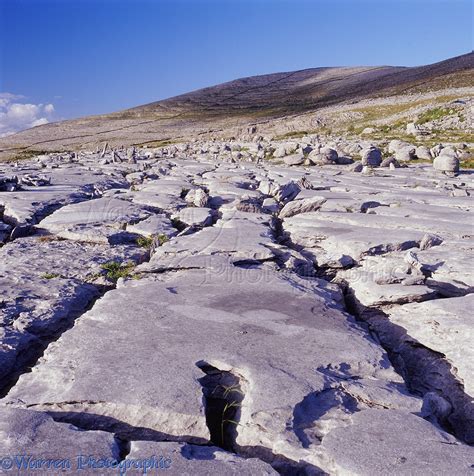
point(145, 242)
point(161, 239)
point(50, 275)
point(115, 270)
point(230, 408)
point(223, 398)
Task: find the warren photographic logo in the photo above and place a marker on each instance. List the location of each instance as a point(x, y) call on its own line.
point(33, 464)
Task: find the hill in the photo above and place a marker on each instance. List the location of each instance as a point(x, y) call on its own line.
point(275, 104)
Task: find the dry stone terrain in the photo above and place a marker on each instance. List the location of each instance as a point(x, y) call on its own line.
point(261, 307)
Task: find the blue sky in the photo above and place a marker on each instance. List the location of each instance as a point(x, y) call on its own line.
point(72, 58)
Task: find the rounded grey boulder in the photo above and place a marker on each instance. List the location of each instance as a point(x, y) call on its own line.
point(325, 156)
point(446, 163)
point(371, 156)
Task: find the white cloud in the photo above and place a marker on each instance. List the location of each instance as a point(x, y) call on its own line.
point(16, 116)
point(49, 109)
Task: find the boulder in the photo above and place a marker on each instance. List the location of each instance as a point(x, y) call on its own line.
point(390, 161)
point(342, 160)
point(294, 159)
point(371, 156)
point(197, 197)
point(8, 184)
point(405, 153)
point(302, 206)
point(446, 163)
point(423, 153)
point(356, 167)
point(436, 150)
point(287, 192)
point(325, 156)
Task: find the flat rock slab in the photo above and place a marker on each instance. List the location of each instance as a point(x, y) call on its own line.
point(43, 287)
point(30, 205)
point(199, 216)
point(379, 281)
point(158, 224)
point(28, 434)
point(192, 460)
point(392, 442)
point(251, 328)
point(444, 325)
point(96, 221)
point(27, 207)
point(335, 239)
point(452, 262)
point(239, 239)
point(159, 200)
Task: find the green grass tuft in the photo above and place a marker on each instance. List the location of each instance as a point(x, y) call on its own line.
point(145, 242)
point(50, 275)
point(115, 270)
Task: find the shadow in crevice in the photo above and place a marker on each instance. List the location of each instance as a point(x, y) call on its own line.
point(194, 448)
point(423, 369)
point(222, 398)
point(40, 339)
point(280, 463)
point(123, 431)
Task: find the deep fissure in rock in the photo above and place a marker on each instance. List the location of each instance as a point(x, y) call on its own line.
point(223, 398)
point(30, 356)
point(423, 370)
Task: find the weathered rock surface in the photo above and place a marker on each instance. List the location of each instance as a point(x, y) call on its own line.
point(200, 293)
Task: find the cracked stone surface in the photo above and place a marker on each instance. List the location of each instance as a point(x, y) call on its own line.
point(236, 314)
point(188, 460)
point(25, 433)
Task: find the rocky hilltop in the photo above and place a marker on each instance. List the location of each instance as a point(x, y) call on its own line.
point(252, 307)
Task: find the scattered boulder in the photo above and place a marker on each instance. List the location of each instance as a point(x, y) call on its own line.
point(423, 153)
point(197, 197)
point(430, 240)
point(294, 159)
point(446, 163)
point(301, 206)
point(436, 150)
point(356, 167)
point(342, 160)
point(390, 161)
point(325, 156)
point(287, 192)
point(371, 156)
point(405, 153)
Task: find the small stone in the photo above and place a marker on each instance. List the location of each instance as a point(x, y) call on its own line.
point(429, 240)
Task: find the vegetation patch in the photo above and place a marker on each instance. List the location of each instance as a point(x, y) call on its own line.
point(433, 115)
point(50, 275)
point(145, 242)
point(115, 270)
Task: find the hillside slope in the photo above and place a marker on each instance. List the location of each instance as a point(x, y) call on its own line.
point(229, 108)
